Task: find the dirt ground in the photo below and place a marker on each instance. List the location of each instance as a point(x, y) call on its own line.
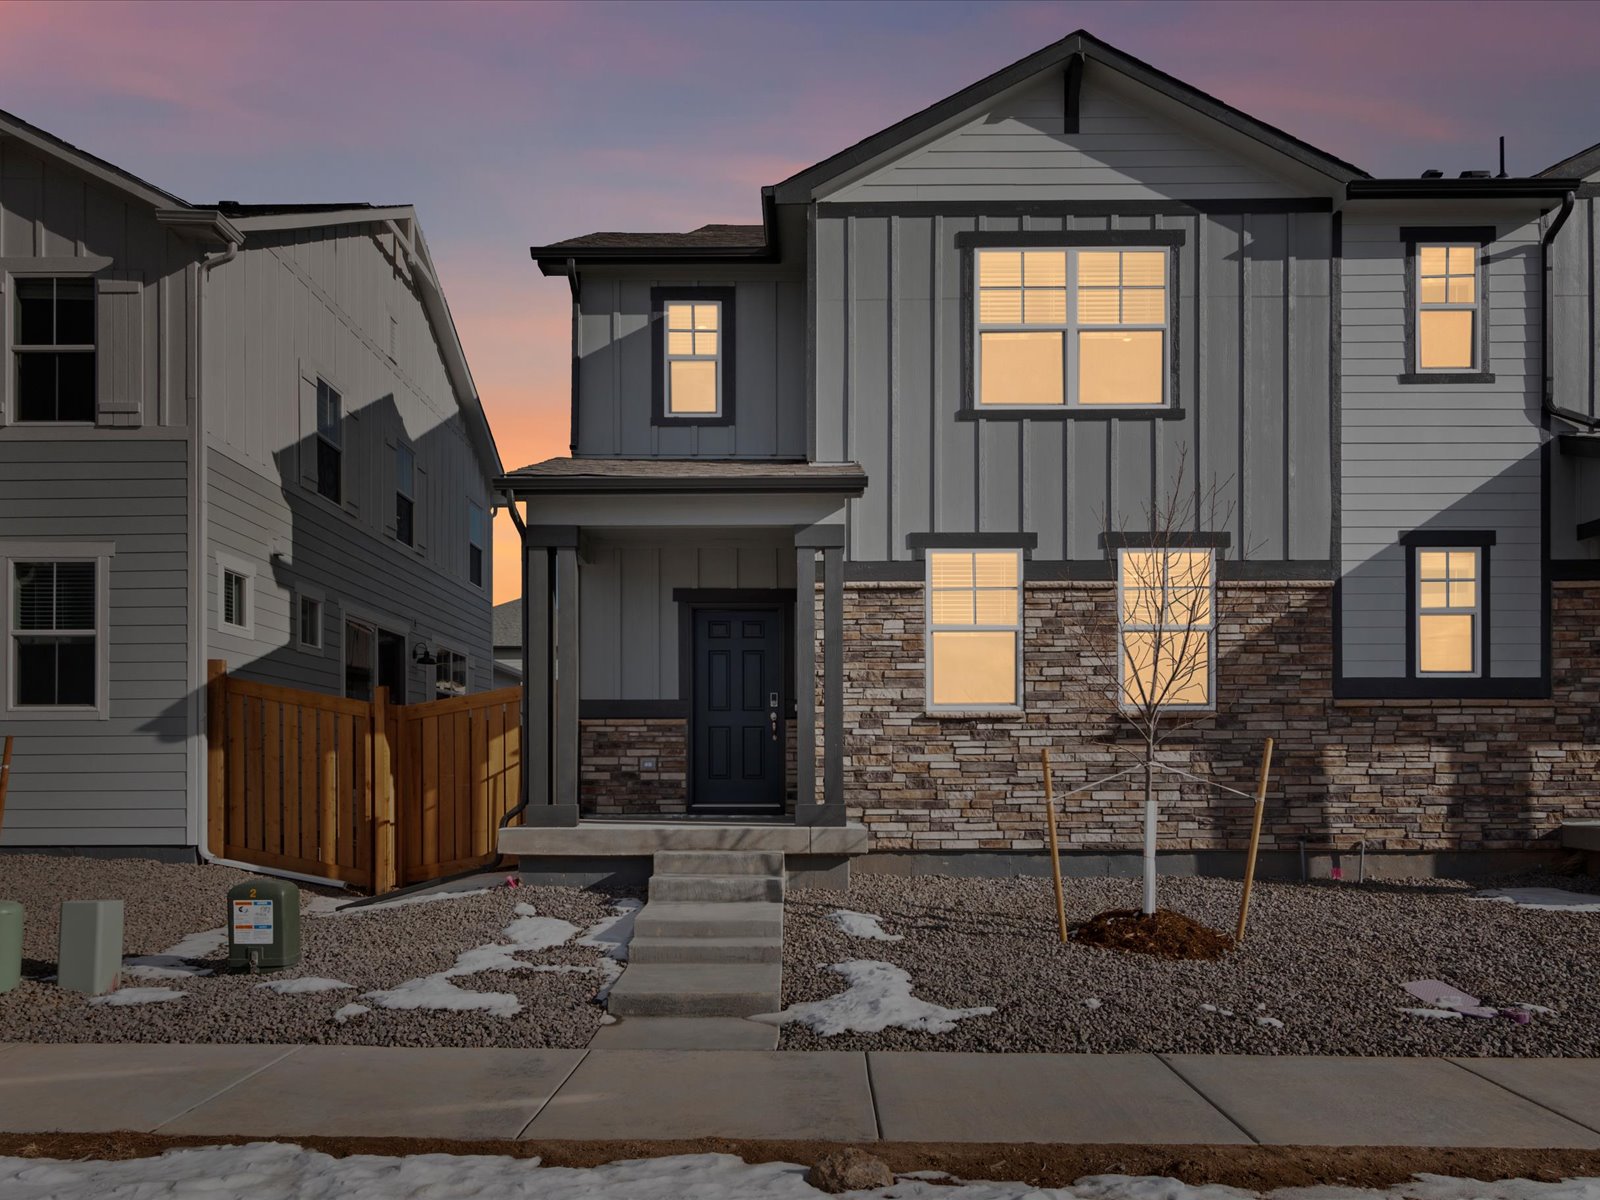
point(1256, 1168)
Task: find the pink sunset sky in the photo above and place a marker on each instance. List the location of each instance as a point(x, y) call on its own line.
point(514, 124)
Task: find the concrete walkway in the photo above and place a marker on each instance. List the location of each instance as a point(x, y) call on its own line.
point(284, 1091)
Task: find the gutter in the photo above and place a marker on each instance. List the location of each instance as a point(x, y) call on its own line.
point(1547, 340)
point(1458, 189)
point(563, 260)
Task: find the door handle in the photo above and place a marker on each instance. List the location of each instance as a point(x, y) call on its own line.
point(772, 717)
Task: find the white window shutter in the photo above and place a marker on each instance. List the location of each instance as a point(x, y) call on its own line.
point(119, 351)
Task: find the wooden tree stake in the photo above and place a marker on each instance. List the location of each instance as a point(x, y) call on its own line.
point(1255, 841)
point(1055, 848)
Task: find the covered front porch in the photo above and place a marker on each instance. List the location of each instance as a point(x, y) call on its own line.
point(684, 676)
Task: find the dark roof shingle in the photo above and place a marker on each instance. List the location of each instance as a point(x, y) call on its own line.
point(706, 237)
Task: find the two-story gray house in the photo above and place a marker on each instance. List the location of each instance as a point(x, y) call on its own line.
point(227, 431)
point(853, 493)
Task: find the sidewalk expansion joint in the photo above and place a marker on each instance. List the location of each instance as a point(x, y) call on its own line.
point(1505, 1087)
point(228, 1087)
point(1227, 1116)
point(554, 1092)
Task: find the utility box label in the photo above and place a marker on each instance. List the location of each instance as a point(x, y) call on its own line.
point(252, 922)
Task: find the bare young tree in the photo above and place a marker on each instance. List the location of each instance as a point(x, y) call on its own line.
point(1164, 632)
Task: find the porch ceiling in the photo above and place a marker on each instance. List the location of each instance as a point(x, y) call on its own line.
point(676, 476)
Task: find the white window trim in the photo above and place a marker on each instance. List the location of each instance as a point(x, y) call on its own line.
point(100, 553)
point(1475, 308)
point(1069, 330)
point(929, 629)
point(8, 389)
point(239, 566)
point(474, 506)
point(449, 648)
point(375, 620)
point(1124, 627)
point(316, 595)
point(1476, 611)
point(668, 358)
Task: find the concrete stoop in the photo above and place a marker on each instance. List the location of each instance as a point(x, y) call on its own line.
point(707, 951)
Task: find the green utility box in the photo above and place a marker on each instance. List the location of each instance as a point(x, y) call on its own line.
point(10, 944)
point(263, 925)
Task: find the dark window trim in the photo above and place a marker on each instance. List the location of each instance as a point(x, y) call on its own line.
point(1412, 236)
point(1481, 540)
point(969, 242)
point(1146, 539)
point(919, 542)
point(1530, 687)
point(728, 343)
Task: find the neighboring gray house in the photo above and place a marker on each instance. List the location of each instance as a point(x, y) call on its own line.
point(934, 395)
point(227, 431)
point(508, 644)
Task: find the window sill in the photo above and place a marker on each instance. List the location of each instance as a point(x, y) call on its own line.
point(1130, 413)
point(974, 714)
point(56, 714)
point(664, 421)
point(1400, 688)
point(1445, 377)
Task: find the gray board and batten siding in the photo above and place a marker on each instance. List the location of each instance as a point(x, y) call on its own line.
point(1253, 416)
point(123, 481)
point(1454, 457)
point(300, 305)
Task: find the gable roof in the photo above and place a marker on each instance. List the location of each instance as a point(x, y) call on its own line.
point(508, 624)
point(707, 236)
point(89, 164)
point(800, 187)
point(1579, 165)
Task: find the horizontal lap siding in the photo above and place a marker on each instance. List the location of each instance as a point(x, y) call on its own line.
point(321, 302)
point(1252, 342)
point(617, 370)
point(1437, 456)
point(629, 620)
point(122, 780)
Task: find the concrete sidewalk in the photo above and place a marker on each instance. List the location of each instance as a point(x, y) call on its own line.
point(355, 1091)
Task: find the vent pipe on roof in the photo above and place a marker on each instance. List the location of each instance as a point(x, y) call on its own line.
point(1502, 174)
point(1433, 173)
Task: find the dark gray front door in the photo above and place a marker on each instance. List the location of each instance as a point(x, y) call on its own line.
point(737, 724)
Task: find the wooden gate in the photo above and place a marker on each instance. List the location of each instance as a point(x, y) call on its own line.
point(366, 792)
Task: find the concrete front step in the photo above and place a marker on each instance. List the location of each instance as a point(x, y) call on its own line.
point(705, 949)
point(750, 919)
point(716, 889)
point(719, 862)
point(697, 990)
point(685, 1033)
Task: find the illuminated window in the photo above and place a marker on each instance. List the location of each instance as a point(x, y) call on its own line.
point(974, 629)
point(694, 358)
point(1447, 307)
point(1449, 604)
point(1168, 628)
point(1071, 328)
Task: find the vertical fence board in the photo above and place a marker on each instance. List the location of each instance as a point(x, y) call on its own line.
point(447, 789)
point(328, 797)
point(291, 780)
point(430, 791)
point(463, 792)
point(235, 829)
point(495, 733)
point(253, 807)
point(271, 778)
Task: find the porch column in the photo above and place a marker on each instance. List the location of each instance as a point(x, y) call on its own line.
point(551, 685)
point(805, 683)
point(829, 808)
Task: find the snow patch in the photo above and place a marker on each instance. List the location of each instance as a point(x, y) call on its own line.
point(438, 993)
point(1092, 1002)
point(879, 997)
point(862, 925)
point(1544, 899)
point(1269, 1022)
point(1437, 1014)
point(161, 966)
point(304, 985)
point(137, 995)
point(334, 906)
point(342, 1015)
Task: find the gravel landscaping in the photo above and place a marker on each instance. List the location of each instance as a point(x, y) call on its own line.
point(376, 950)
point(1327, 960)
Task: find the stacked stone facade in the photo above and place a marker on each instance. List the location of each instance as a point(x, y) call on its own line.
point(613, 780)
point(1401, 775)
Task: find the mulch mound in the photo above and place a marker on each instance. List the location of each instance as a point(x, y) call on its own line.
point(1164, 934)
point(1254, 1168)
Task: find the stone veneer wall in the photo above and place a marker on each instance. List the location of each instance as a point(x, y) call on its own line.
point(1404, 775)
point(613, 782)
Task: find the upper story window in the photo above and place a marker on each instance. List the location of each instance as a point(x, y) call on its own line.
point(330, 443)
point(477, 542)
point(1449, 598)
point(974, 613)
point(53, 343)
point(405, 493)
point(694, 359)
point(1072, 328)
point(1447, 307)
point(1167, 628)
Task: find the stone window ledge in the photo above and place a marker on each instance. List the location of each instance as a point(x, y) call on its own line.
point(975, 714)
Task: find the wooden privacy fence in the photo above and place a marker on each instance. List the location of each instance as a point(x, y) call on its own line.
point(371, 793)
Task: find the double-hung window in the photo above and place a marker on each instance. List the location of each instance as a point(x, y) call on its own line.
point(694, 358)
point(1168, 629)
point(1072, 328)
point(308, 621)
point(477, 542)
point(974, 614)
point(55, 633)
point(330, 443)
point(1449, 612)
point(450, 675)
point(1447, 307)
point(405, 493)
point(53, 345)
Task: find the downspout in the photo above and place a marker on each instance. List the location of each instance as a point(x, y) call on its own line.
point(522, 537)
point(1547, 341)
point(201, 472)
